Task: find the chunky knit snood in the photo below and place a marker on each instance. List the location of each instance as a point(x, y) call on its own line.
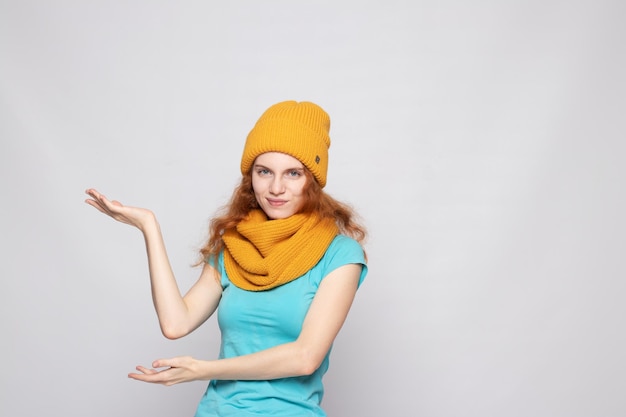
point(262, 254)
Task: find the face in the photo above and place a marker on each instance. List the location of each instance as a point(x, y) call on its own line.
point(278, 181)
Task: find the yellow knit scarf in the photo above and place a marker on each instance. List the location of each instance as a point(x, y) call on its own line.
point(261, 254)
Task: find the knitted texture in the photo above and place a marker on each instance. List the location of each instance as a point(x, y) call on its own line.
point(299, 129)
point(262, 254)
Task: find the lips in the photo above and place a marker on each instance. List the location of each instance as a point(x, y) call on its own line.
point(275, 202)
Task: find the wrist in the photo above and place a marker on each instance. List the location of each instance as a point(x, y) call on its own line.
point(148, 223)
point(202, 368)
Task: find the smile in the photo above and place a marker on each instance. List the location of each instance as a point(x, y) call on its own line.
point(276, 203)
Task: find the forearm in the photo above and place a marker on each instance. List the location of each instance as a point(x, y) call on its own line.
point(177, 315)
point(282, 361)
point(301, 357)
point(321, 325)
point(168, 302)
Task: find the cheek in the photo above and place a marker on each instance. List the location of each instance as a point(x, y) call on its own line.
point(257, 185)
point(298, 189)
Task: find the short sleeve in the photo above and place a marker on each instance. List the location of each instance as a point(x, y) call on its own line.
point(344, 250)
point(220, 268)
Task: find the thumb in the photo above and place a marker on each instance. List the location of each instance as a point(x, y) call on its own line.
point(164, 363)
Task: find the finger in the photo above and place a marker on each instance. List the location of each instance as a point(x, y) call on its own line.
point(113, 206)
point(163, 377)
point(152, 378)
point(145, 370)
point(92, 192)
point(109, 207)
point(164, 363)
point(97, 205)
point(97, 197)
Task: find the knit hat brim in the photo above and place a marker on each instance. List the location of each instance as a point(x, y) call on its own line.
point(296, 129)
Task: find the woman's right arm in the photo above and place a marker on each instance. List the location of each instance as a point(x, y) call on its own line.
point(178, 315)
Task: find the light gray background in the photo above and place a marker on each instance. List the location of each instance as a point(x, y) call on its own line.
point(482, 142)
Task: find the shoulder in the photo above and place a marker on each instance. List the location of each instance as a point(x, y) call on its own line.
point(344, 245)
point(344, 250)
point(219, 267)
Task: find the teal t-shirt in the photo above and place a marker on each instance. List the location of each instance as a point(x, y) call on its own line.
point(251, 321)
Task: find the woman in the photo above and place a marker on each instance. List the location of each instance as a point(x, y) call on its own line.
point(283, 263)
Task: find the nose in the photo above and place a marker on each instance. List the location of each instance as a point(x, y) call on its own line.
point(277, 187)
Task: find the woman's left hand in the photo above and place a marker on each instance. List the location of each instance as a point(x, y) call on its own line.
point(177, 370)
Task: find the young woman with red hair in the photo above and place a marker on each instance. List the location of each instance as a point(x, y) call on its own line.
point(282, 265)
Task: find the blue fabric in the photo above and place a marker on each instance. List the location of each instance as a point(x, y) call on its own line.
point(253, 321)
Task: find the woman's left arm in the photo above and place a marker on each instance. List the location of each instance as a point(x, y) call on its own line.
point(303, 356)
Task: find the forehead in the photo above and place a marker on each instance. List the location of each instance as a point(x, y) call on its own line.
point(278, 160)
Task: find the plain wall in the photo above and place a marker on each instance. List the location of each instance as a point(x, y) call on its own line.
point(482, 143)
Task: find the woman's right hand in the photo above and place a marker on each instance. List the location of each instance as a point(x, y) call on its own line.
point(134, 216)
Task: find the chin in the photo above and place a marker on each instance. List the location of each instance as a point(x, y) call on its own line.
point(274, 214)
point(278, 216)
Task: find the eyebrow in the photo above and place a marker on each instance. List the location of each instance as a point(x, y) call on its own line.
point(256, 166)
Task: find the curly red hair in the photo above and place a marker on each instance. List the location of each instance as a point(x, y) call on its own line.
point(316, 200)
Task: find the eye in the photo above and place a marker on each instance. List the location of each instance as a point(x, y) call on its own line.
point(294, 173)
point(262, 171)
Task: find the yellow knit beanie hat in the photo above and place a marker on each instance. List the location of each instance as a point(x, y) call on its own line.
point(297, 129)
